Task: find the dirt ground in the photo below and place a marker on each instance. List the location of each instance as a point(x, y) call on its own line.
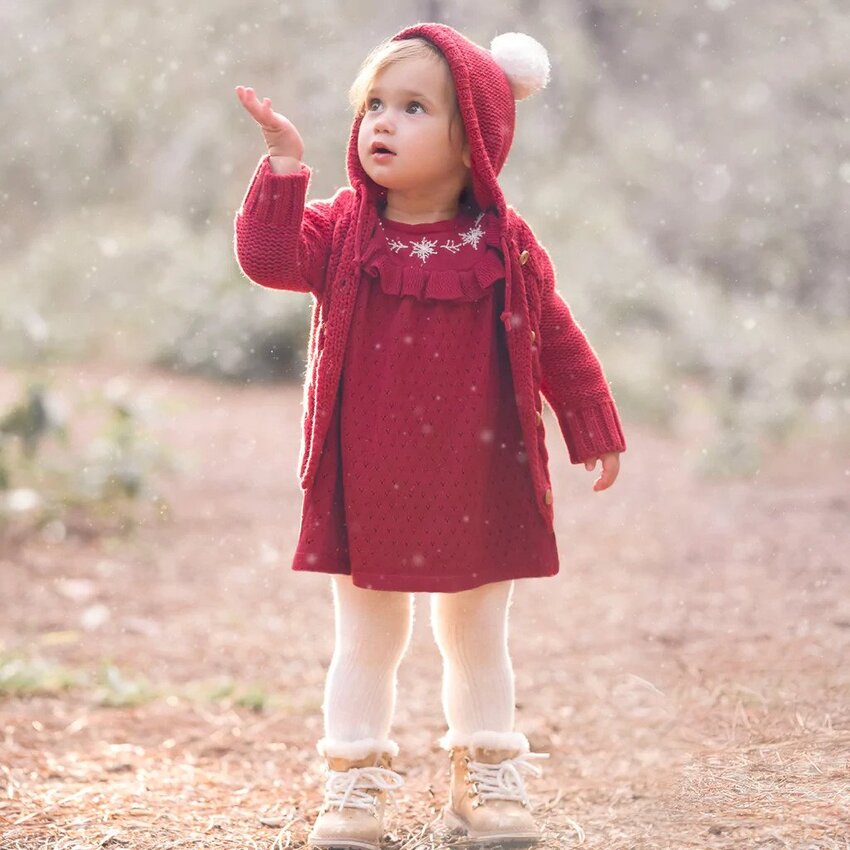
point(688, 670)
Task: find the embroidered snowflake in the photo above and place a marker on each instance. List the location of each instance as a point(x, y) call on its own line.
point(423, 248)
point(396, 246)
point(452, 246)
point(475, 233)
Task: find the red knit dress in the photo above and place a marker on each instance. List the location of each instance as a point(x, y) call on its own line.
point(430, 294)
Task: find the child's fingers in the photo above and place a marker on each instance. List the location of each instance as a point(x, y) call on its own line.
point(246, 96)
point(610, 469)
point(261, 109)
point(261, 112)
point(603, 482)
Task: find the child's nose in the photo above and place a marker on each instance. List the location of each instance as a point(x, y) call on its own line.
point(384, 122)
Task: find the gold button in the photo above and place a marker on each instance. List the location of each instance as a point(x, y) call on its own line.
point(547, 497)
point(523, 258)
point(539, 418)
point(533, 336)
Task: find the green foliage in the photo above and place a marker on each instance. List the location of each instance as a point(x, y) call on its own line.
point(686, 167)
point(34, 676)
point(254, 697)
point(676, 344)
point(48, 480)
point(116, 689)
point(148, 292)
point(107, 684)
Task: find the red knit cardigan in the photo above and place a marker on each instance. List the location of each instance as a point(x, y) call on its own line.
point(283, 242)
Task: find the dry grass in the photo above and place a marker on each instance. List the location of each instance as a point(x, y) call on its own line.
point(687, 670)
point(228, 778)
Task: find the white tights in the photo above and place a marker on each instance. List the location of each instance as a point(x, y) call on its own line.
point(372, 632)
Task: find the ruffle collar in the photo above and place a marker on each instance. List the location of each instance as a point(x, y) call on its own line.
point(456, 259)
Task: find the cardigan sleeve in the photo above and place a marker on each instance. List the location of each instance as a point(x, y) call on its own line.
point(573, 382)
point(280, 241)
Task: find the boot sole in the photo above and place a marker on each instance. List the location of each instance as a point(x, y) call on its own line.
point(341, 844)
point(454, 821)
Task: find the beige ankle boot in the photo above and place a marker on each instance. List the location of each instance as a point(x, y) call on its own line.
point(487, 799)
point(352, 815)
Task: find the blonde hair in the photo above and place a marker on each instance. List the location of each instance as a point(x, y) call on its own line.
point(388, 53)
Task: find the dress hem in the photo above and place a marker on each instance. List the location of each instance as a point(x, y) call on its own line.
point(426, 584)
point(311, 562)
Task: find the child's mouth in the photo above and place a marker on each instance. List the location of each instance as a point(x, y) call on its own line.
point(381, 152)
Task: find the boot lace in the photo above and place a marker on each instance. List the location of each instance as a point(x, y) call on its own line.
point(351, 787)
point(503, 780)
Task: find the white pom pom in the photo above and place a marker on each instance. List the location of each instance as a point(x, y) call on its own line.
point(524, 60)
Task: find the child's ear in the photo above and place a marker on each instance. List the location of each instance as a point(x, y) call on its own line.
point(467, 158)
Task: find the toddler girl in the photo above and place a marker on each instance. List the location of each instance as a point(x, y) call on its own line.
point(437, 331)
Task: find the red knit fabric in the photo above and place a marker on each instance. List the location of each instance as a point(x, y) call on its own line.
point(453, 260)
point(282, 242)
point(437, 449)
point(322, 247)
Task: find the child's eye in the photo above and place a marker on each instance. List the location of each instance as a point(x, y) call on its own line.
point(371, 102)
point(416, 103)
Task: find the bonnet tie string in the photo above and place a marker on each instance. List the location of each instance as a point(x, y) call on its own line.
point(359, 227)
point(506, 313)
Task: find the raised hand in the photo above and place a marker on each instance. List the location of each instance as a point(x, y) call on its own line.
point(282, 139)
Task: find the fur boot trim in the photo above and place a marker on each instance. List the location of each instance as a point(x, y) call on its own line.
point(487, 740)
point(355, 750)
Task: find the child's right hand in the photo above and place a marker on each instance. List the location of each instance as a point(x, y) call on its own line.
point(282, 139)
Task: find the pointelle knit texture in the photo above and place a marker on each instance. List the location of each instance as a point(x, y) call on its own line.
point(424, 460)
point(281, 241)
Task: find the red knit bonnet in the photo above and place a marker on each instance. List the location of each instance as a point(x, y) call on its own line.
point(487, 83)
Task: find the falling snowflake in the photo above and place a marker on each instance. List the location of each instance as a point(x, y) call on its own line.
point(423, 248)
point(475, 233)
point(396, 246)
point(452, 246)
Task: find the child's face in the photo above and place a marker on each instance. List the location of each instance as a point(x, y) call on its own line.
point(409, 108)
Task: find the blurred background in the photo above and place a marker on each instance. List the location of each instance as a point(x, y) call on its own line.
point(162, 669)
point(687, 168)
